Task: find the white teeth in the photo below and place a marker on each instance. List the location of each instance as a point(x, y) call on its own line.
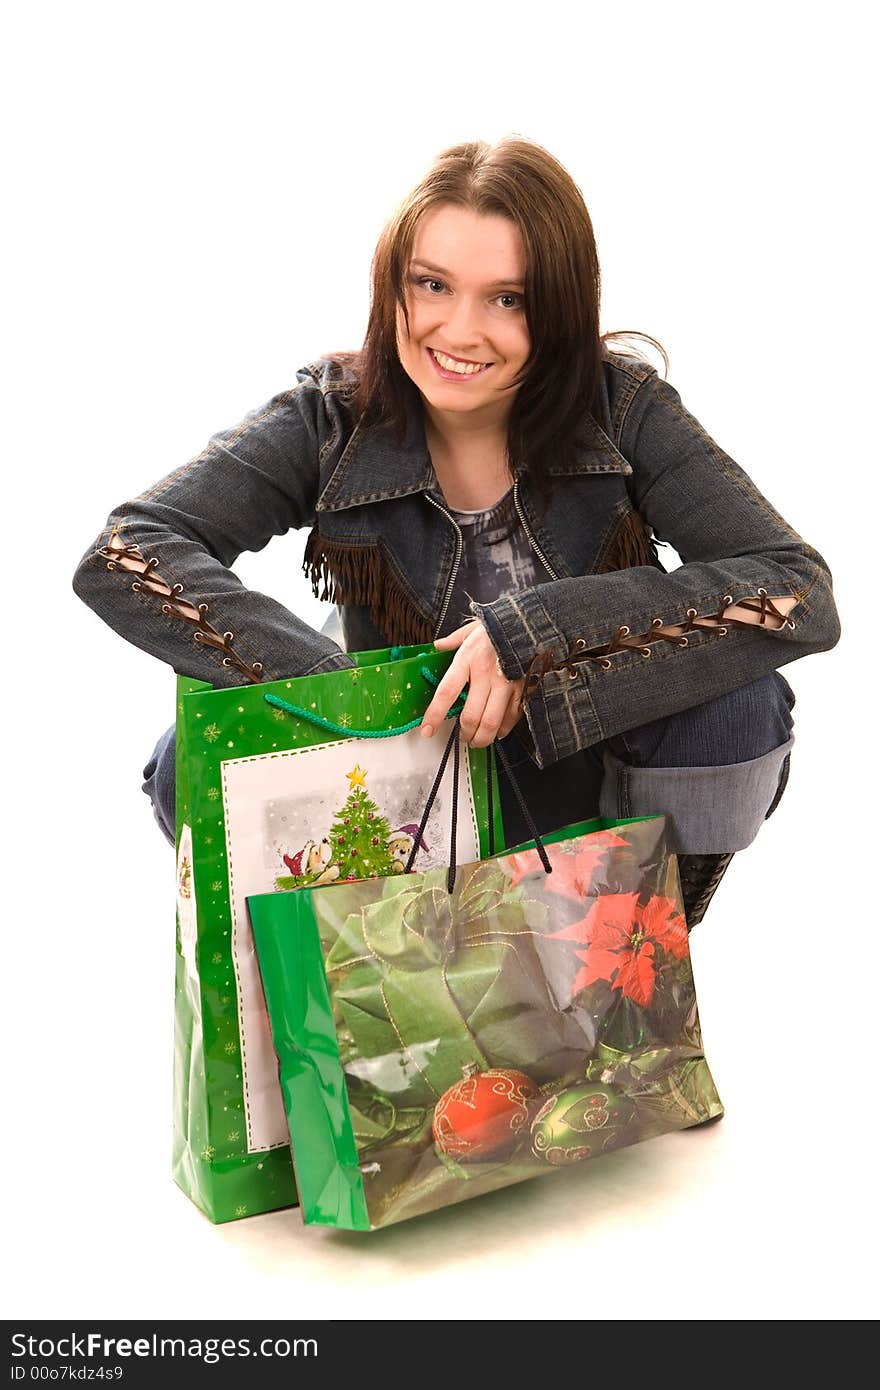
point(460, 368)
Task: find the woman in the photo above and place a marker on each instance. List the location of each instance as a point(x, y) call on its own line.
point(487, 473)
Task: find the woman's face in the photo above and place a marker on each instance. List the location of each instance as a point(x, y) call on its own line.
point(465, 300)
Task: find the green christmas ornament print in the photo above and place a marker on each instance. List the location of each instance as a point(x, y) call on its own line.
point(581, 1123)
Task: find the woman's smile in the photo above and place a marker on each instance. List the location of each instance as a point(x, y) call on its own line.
point(456, 368)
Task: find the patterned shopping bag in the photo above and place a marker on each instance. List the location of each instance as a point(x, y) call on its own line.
point(451, 1031)
point(313, 780)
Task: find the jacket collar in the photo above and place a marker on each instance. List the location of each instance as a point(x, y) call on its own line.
point(376, 467)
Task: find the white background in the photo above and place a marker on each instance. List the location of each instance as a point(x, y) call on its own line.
point(193, 194)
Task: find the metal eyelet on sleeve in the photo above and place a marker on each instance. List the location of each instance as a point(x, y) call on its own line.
point(128, 557)
point(543, 661)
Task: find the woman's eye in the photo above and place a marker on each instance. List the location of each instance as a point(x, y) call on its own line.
point(428, 283)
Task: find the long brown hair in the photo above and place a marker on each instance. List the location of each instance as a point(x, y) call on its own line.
point(561, 378)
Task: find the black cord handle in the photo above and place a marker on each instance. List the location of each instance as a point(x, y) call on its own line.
point(453, 746)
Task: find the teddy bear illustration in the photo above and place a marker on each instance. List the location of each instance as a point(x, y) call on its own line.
point(400, 845)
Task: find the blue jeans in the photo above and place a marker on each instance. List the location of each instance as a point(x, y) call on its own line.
point(718, 770)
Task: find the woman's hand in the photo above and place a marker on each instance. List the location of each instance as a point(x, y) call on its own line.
point(493, 704)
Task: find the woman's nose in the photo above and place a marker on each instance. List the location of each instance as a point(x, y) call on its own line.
point(463, 325)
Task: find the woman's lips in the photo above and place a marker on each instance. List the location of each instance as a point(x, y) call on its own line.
point(455, 376)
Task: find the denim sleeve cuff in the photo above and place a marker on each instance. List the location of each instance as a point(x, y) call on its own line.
point(518, 625)
point(559, 714)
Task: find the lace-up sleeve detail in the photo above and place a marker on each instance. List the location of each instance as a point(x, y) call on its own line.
point(769, 617)
point(589, 675)
point(128, 558)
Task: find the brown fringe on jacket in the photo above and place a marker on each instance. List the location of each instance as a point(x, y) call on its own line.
point(344, 572)
point(630, 545)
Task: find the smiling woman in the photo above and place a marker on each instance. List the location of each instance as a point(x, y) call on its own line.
point(464, 342)
point(490, 472)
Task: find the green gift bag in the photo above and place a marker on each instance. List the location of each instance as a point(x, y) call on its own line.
point(451, 1031)
point(317, 779)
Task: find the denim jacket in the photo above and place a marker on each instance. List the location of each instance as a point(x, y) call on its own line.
point(607, 642)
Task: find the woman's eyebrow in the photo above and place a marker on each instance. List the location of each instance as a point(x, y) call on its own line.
point(438, 270)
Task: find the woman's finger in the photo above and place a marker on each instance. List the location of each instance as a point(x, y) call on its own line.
point(474, 706)
point(474, 663)
point(493, 713)
point(451, 685)
point(455, 639)
point(514, 711)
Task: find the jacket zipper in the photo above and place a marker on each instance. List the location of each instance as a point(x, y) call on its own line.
point(531, 540)
point(459, 545)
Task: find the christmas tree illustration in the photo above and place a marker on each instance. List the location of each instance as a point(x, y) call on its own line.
point(360, 833)
point(360, 844)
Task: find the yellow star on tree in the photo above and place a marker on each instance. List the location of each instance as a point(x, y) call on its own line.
point(356, 776)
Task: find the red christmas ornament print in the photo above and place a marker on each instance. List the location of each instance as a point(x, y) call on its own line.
point(483, 1115)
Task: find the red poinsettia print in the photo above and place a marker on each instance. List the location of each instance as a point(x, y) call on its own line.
point(621, 940)
point(572, 873)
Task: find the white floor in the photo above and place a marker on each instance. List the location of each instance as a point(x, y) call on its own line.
point(766, 1215)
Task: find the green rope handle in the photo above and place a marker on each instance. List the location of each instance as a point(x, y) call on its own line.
point(333, 728)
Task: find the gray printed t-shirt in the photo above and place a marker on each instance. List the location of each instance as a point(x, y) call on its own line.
point(491, 567)
point(568, 790)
